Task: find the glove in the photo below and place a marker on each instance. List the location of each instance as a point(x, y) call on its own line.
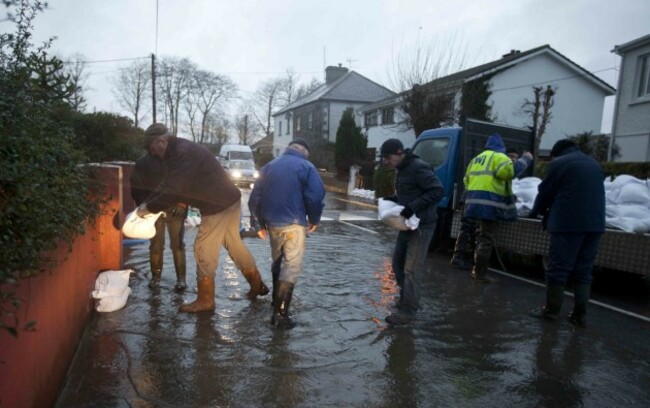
point(407, 212)
point(391, 198)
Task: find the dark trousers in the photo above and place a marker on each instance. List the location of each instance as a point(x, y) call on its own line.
point(176, 226)
point(485, 242)
point(409, 263)
point(466, 240)
point(572, 254)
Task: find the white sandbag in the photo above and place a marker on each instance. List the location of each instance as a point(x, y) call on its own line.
point(636, 211)
point(527, 182)
point(140, 227)
point(626, 224)
point(111, 283)
point(526, 195)
point(113, 303)
point(623, 179)
point(634, 193)
point(389, 213)
point(112, 290)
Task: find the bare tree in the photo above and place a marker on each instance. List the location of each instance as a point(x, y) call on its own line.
point(413, 73)
point(75, 69)
point(206, 90)
point(274, 94)
point(131, 87)
point(217, 130)
point(173, 78)
point(539, 110)
point(266, 100)
point(246, 129)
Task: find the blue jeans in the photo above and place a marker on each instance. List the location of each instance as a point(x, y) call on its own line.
point(408, 264)
point(572, 254)
point(287, 252)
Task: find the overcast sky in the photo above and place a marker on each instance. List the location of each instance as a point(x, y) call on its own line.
point(255, 40)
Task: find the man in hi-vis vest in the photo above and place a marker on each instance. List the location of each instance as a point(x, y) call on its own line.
point(489, 198)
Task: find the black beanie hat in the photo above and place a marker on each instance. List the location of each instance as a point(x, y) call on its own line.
point(391, 146)
point(560, 146)
point(152, 133)
point(301, 142)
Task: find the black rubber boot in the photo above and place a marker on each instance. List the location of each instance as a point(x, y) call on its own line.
point(156, 264)
point(283, 293)
point(179, 265)
point(554, 300)
point(479, 273)
point(581, 294)
point(275, 274)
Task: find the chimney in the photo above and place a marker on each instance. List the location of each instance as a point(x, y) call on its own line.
point(333, 73)
point(512, 53)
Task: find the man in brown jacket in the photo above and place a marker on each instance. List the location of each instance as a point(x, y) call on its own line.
point(194, 176)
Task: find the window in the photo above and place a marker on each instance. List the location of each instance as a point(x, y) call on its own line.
point(644, 77)
point(432, 151)
point(388, 116)
point(280, 128)
point(310, 120)
point(298, 124)
point(370, 119)
point(288, 126)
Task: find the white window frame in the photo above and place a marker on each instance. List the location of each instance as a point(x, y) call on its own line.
point(642, 88)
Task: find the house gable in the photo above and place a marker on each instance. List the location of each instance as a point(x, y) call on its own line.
point(631, 126)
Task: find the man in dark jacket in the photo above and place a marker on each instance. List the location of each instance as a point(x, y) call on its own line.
point(194, 176)
point(572, 199)
point(418, 189)
point(148, 173)
point(287, 201)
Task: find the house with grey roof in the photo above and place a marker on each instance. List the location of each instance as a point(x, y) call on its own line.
point(578, 102)
point(316, 116)
point(631, 126)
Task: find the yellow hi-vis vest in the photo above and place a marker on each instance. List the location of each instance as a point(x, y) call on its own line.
point(488, 184)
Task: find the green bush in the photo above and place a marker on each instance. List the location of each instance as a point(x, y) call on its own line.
point(384, 181)
point(43, 188)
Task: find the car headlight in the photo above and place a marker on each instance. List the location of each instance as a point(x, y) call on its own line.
point(236, 174)
point(256, 174)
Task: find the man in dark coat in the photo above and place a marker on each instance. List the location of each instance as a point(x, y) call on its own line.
point(572, 200)
point(194, 176)
point(418, 189)
point(147, 174)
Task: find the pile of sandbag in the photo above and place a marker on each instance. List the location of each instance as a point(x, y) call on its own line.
point(627, 204)
point(627, 201)
point(111, 290)
point(526, 190)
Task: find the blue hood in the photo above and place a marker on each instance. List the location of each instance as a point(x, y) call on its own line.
point(495, 143)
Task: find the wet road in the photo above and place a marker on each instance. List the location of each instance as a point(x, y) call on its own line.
point(472, 345)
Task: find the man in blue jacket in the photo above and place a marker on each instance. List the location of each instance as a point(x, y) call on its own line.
point(287, 201)
point(572, 200)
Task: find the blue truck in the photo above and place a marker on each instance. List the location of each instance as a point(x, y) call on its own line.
point(449, 151)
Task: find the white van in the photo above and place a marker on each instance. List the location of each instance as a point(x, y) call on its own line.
point(230, 152)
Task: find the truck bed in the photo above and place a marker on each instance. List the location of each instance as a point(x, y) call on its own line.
point(618, 250)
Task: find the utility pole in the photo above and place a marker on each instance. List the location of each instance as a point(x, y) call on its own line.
point(153, 86)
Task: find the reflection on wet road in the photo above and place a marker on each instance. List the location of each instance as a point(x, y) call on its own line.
point(472, 345)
